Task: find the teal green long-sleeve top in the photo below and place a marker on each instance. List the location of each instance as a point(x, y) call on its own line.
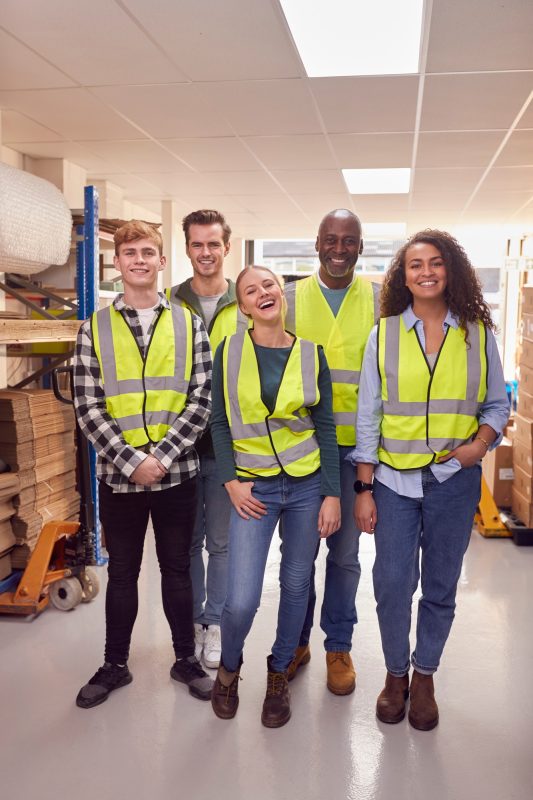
point(272, 361)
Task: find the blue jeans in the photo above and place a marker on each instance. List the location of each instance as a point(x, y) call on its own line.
point(343, 571)
point(437, 525)
point(298, 502)
point(211, 527)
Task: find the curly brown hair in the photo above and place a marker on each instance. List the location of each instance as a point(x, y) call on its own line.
point(463, 292)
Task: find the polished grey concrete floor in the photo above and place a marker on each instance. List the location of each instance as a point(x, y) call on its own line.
point(151, 739)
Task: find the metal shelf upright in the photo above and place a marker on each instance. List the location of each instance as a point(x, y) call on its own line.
point(87, 282)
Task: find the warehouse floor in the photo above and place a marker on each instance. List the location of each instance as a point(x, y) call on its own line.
point(151, 739)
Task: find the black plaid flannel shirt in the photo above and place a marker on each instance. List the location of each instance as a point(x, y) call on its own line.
point(116, 460)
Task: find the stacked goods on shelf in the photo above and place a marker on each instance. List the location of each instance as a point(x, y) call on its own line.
point(522, 492)
point(9, 487)
point(37, 440)
point(498, 473)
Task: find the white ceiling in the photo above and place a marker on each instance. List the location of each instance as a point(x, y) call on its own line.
point(206, 102)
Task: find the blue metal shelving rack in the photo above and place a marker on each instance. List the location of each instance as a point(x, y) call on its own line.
point(87, 282)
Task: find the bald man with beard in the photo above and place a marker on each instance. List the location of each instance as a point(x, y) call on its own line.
point(337, 310)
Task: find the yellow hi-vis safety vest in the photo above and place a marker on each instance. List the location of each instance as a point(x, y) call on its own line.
point(428, 413)
point(226, 322)
point(144, 396)
point(343, 338)
point(266, 443)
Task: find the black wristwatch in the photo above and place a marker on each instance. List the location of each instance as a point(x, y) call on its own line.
point(360, 486)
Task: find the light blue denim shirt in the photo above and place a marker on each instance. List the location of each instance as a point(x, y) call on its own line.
point(494, 411)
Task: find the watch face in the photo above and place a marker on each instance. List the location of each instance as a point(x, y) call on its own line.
point(360, 486)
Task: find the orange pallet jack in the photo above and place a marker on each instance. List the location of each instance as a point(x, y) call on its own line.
point(487, 518)
point(58, 570)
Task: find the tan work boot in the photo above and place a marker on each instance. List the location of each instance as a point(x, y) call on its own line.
point(390, 707)
point(341, 673)
point(225, 693)
point(277, 704)
point(423, 710)
point(302, 656)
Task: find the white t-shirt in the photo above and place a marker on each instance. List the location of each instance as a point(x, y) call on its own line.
point(146, 316)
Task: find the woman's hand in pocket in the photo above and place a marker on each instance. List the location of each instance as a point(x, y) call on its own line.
point(243, 501)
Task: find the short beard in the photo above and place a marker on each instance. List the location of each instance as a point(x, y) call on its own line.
point(338, 274)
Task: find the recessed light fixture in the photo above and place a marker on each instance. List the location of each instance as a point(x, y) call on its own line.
point(377, 181)
point(347, 37)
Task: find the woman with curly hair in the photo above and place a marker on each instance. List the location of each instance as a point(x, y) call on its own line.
point(432, 402)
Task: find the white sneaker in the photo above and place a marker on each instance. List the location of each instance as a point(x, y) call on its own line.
point(212, 647)
point(199, 639)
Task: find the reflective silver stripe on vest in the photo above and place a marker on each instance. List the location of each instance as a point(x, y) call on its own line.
point(113, 386)
point(345, 376)
point(392, 361)
point(344, 418)
point(286, 457)
point(242, 320)
point(290, 316)
point(307, 367)
point(418, 446)
point(152, 418)
point(419, 408)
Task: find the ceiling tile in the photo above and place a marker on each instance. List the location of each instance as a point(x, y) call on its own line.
point(473, 102)
point(391, 207)
point(518, 150)
point(510, 178)
point(17, 128)
point(227, 205)
point(480, 35)
point(72, 113)
point(20, 68)
point(526, 121)
point(168, 112)
point(236, 183)
point(301, 181)
point(259, 108)
point(138, 156)
point(464, 149)
point(361, 105)
point(213, 154)
point(445, 181)
point(102, 45)
point(373, 150)
point(222, 41)
point(318, 205)
point(293, 152)
point(267, 204)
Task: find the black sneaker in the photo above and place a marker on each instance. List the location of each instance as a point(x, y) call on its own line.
point(103, 682)
point(189, 671)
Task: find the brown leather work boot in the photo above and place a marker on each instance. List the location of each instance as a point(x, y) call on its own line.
point(341, 673)
point(390, 707)
point(302, 656)
point(423, 710)
point(225, 693)
point(277, 704)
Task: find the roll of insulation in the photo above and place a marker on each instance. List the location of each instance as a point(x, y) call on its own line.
point(35, 223)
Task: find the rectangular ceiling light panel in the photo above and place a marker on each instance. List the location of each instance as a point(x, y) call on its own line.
point(356, 37)
point(378, 181)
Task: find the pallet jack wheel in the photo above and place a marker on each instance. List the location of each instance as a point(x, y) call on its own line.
point(66, 594)
point(90, 584)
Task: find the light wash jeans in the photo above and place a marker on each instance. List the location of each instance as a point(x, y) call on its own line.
point(297, 502)
point(437, 526)
point(338, 616)
point(211, 528)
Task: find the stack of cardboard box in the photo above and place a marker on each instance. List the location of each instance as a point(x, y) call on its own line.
point(522, 493)
point(9, 487)
point(37, 440)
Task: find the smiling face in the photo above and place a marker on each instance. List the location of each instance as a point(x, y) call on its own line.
point(425, 272)
point(206, 249)
point(138, 262)
point(338, 245)
point(260, 295)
